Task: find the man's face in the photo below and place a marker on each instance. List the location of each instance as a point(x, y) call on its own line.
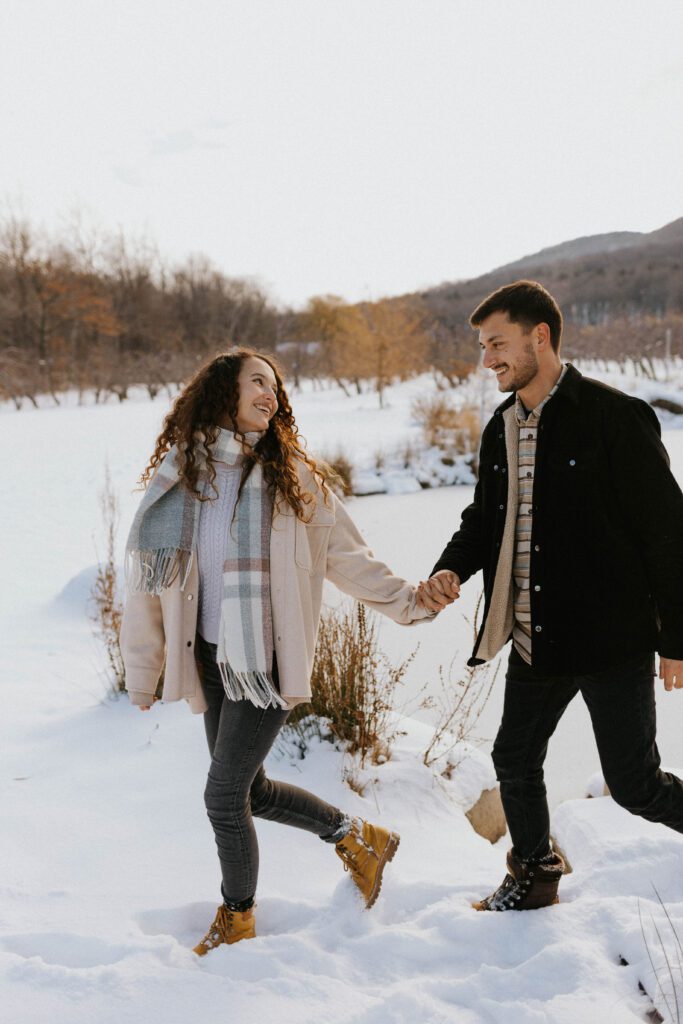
point(508, 352)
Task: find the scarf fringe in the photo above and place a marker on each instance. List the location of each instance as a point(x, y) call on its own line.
point(256, 687)
point(150, 572)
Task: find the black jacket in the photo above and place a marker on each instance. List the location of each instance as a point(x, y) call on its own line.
point(607, 538)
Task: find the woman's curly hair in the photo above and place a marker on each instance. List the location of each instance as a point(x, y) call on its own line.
point(212, 393)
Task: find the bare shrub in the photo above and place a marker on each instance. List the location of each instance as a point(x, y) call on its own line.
point(108, 609)
point(339, 473)
point(443, 426)
point(352, 686)
point(459, 706)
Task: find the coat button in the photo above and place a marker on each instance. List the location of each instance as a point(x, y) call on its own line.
point(572, 462)
point(501, 507)
point(189, 643)
point(537, 587)
point(495, 467)
point(537, 547)
point(539, 629)
point(190, 596)
point(503, 470)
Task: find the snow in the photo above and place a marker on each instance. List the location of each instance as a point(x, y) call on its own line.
point(109, 866)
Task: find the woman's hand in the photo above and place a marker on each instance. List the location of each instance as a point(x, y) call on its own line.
point(147, 707)
point(441, 589)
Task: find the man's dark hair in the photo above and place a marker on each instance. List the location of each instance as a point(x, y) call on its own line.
point(526, 303)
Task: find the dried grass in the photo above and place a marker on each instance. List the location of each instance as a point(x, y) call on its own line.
point(459, 705)
point(338, 471)
point(457, 431)
point(352, 686)
point(107, 608)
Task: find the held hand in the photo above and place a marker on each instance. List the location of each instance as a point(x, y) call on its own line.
point(439, 590)
point(147, 707)
point(671, 671)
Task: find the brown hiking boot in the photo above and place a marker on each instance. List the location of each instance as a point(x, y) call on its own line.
point(228, 926)
point(365, 851)
point(527, 886)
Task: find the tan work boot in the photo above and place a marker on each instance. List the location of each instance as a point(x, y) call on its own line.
point(526, 886)
point(228, 926)
point(365, 851)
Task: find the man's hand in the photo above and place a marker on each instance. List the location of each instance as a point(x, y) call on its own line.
point(671, 671)
point(439, 590)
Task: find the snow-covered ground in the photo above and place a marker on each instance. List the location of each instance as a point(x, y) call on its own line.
point(109, 870)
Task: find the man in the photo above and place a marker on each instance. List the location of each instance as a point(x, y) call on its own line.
point(577, 523)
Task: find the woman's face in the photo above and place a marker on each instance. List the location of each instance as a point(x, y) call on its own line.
point(257, 395)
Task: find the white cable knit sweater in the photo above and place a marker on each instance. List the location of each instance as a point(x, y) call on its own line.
point(214, 522)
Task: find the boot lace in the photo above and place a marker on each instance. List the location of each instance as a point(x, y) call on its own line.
point(350, 858)
point(220, 929)
point(509, 892)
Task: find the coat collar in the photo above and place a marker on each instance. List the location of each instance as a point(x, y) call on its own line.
point(569, 389)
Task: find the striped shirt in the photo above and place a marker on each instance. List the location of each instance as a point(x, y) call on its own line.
point(528, 434)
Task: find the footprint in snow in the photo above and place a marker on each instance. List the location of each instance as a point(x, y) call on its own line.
point(65, 950)
point(189, 922)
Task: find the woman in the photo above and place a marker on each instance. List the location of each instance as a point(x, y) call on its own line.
point(225, 565)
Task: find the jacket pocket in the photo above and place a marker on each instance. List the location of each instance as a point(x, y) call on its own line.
point(310, 542)
point(574, 474)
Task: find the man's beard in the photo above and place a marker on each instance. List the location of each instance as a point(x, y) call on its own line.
point(524, 372)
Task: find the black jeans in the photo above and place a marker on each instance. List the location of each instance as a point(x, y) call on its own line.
point(621, 703)
point(239, 737)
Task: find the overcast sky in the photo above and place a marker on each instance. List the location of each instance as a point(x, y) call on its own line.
point(336, 146)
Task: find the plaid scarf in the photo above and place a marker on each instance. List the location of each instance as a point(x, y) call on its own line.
point(161, 546)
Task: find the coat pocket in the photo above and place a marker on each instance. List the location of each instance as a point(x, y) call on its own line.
point(310, 542)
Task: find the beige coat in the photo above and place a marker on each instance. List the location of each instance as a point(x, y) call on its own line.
point(158, 631)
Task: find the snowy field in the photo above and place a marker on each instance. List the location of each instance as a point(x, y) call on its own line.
point(110, 871)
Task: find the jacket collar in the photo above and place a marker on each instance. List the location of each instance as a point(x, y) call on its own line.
point(569, 388)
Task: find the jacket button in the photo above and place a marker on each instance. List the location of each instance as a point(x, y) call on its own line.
point(189, 597)
point(503, 470)
point(537, 587)
point(539, 629)
point(537, 547)
point(495, 467)
point(189, 643)
point(572, 462)
point(501, 507)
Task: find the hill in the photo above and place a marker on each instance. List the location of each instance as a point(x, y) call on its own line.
point(595, 279)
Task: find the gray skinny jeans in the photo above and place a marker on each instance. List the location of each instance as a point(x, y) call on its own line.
point(239, 737)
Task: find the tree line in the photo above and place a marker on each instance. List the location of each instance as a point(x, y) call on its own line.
point(100, 314)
